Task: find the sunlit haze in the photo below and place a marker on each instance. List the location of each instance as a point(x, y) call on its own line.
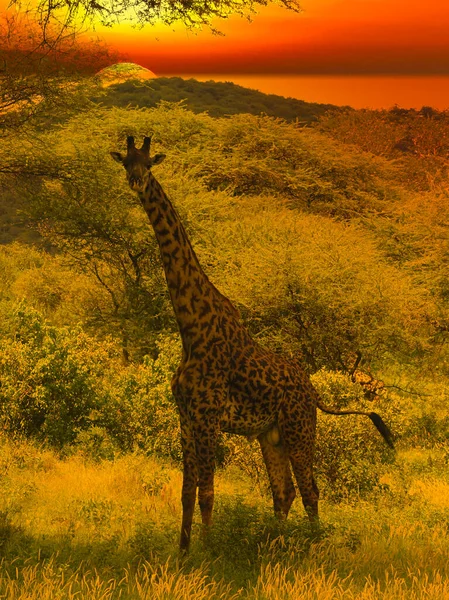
point(329, 37)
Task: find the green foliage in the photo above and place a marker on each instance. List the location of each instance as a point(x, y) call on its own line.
point(426, 424)
point(289, 272)
point(47, 284)
point(95, 443)
point(63, 387)
point(7, 531)
point(336, 389)
point(251, 535)
point(15, 226)
point(429, 429)
point(50, 379)
point(303, 283)
point(148, 417)
point(307, 170)
point(149, 540)
point(350, 454)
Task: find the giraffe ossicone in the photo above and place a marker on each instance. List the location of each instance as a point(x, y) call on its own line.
point(226, 381)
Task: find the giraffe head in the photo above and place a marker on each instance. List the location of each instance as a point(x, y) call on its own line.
point(137, 163)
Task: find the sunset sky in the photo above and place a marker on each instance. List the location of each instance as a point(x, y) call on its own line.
point(330, 37)
point(320, 55)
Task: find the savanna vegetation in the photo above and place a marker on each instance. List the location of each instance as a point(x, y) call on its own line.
point(218, 99)
point(332, 242)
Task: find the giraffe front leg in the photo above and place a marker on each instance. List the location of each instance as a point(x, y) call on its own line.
point(189, 480)
point(202, 399)
point(206, 437)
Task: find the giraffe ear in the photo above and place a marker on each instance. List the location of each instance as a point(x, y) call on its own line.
point(117, 157)
point(157, 159)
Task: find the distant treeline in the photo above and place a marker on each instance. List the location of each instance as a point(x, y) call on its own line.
point(217, 98)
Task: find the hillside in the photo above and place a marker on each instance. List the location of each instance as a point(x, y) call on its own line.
point(216, 98)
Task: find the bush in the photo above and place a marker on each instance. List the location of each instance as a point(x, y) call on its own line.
point(427, 430)
point(95, 443)
point(350, 454)
point(62, 387)
point(51, 379)
point(147, 417)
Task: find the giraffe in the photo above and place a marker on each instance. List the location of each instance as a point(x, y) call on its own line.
point(226, 381)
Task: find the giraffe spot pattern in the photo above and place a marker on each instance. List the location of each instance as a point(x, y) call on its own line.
point(226, 381)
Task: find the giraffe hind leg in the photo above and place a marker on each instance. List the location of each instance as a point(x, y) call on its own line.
point(279, 474)
point(298, 426)
point(302, 468)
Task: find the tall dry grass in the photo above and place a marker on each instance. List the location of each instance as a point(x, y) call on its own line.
point(70, 529)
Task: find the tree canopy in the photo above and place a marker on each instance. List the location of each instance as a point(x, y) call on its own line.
point(43, 67)
point(191, 13)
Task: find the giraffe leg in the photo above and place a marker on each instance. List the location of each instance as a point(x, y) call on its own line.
point(201, 401)
point(279, 474)
point(302, 468)
point(298, 427)
point(206, 436)
point(189, 482)
point(190, 467)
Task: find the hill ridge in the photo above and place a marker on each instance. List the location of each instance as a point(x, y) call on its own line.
point(217, 98)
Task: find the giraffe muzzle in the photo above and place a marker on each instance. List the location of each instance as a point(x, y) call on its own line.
point(135, 183)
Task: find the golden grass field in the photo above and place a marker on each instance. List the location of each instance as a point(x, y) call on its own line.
point(77, 530)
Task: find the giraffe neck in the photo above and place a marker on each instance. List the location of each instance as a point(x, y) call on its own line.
point(193, 296)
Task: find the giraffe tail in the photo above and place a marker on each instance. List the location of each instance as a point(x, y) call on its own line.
point(377, 420)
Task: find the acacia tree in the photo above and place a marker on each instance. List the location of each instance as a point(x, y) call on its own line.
point(43, 69)
point(191, 13)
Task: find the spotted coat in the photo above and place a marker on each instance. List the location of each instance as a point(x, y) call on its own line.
point(226, 381)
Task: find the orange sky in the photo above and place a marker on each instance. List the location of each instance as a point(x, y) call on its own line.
point(313, 55)
point(408, 37)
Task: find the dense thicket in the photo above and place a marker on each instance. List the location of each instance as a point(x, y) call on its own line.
point(327, 255)
point(302, 202)
point(416, 140)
